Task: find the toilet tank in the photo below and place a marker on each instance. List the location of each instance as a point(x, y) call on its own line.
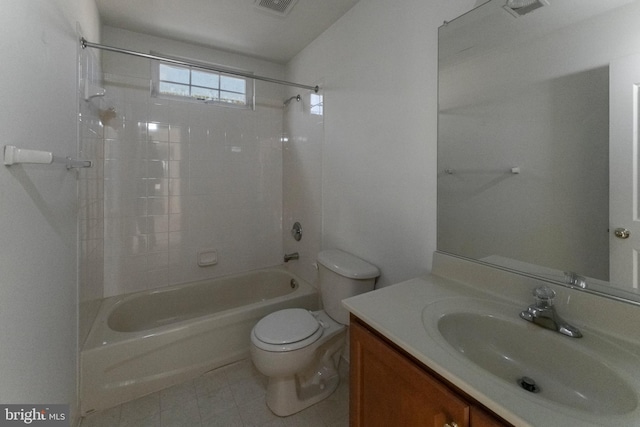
point(342, 275)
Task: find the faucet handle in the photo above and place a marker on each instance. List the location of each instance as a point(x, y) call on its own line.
point(544, 296)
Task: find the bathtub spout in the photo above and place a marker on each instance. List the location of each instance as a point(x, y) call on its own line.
point(289, 257)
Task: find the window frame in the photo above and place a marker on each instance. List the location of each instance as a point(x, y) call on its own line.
point(155, 84)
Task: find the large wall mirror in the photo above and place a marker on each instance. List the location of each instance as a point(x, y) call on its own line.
point(537, 152)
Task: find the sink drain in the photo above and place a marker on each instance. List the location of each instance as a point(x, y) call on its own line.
point(528, 384)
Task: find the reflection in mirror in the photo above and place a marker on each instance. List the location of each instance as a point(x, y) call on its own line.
point(530, 173)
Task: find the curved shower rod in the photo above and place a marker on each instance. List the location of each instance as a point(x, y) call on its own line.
point(85, 44)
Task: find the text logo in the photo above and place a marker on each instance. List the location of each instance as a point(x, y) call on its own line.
point(35, 415)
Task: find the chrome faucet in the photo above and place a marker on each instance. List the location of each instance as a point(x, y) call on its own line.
point(544, 314)
point(289, 257)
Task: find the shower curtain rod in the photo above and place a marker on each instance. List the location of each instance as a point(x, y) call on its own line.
point(86, 44)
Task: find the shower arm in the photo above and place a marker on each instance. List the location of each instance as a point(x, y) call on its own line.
point(297, 98)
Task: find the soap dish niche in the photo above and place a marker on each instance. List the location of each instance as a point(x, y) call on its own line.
point(207, 257)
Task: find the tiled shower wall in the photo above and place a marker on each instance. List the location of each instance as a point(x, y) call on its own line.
point(183, 177)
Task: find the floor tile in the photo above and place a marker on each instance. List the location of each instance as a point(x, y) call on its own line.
point(231, 396)
point(108, 418)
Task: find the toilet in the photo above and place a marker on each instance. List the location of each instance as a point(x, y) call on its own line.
point(299, 350)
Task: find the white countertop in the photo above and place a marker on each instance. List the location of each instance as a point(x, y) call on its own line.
point(397, 313)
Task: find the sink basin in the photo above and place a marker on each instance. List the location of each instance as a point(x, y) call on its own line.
point(565, 370)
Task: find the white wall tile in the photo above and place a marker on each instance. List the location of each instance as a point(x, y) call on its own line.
point(212, 178)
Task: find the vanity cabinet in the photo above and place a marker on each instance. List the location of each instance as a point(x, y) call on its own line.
point(388, 388)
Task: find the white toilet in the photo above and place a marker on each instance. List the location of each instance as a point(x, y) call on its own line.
point(300, 350)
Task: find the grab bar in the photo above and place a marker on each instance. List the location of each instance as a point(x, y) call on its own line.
point(14, 155)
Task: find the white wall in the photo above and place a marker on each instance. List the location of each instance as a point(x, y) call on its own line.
point(378, 65)
point(204, 177)
point(38, 269)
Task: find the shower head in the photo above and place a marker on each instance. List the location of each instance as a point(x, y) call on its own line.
point(297, 98)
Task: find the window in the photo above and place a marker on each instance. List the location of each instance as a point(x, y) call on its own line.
point(316, 105)
point(190, 83)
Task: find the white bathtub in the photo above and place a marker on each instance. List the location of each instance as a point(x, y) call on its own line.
point(144, 342)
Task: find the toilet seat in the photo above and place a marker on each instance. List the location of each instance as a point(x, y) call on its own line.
point(286, 330)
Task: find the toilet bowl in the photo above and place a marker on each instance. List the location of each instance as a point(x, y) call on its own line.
point(298, 350)
point(301, 372)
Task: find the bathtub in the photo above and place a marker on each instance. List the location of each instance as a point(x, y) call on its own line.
point(147, 341)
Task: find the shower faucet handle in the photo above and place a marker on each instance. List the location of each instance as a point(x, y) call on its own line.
point(296, 231)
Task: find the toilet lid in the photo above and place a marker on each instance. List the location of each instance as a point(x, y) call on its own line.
point(286, 326)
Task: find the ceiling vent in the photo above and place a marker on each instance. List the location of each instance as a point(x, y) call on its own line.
point(522, 7)
point(279, 7)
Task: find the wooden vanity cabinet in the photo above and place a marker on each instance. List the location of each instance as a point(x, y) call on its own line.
point(388, 389)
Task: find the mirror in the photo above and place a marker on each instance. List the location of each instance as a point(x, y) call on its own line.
point(536, 160)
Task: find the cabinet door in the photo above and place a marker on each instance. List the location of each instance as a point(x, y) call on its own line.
point(480, 418)
point(388, 389)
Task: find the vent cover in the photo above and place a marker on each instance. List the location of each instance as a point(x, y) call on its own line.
point(522, 7)
point(279, 7)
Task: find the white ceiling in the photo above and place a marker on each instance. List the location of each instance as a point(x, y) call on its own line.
point(233, 25)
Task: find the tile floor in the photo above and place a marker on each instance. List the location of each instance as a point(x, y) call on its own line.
point(232, 396)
